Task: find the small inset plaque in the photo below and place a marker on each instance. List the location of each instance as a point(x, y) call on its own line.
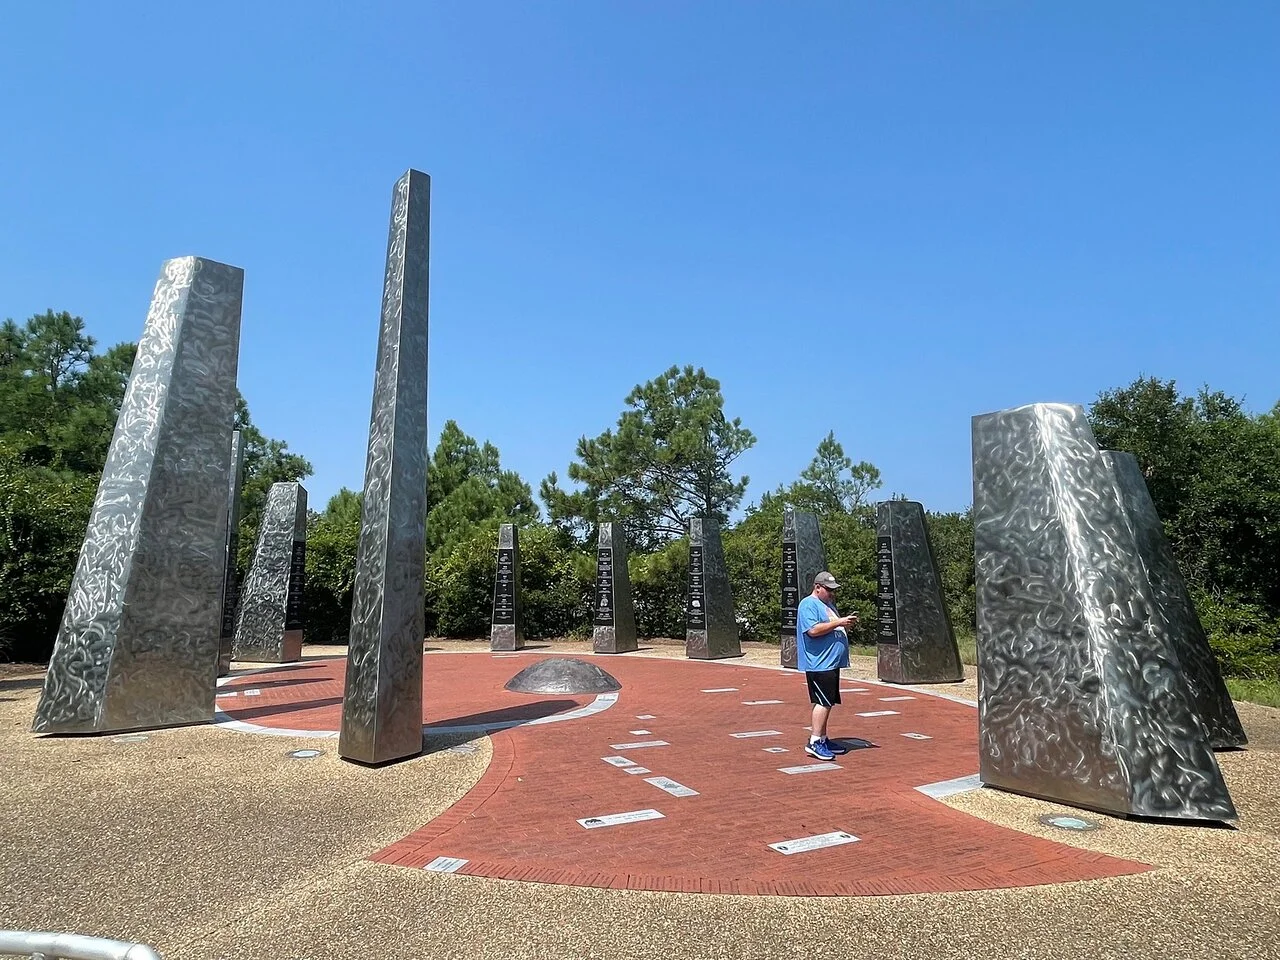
point(614, 819)
point(446, 864)
point(804, 844)
point(639, 745)
point(810, 768)
point(671, 787)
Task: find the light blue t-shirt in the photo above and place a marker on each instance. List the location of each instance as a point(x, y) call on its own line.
point(827, 652)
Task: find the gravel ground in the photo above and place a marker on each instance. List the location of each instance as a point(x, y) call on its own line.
point(209, 844)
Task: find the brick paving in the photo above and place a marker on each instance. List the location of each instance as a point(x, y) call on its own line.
point(520, 821)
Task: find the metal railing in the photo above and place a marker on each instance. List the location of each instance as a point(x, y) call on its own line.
point(70, 946)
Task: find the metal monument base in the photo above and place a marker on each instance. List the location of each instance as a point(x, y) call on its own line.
point(503, 637)
point(611, 640)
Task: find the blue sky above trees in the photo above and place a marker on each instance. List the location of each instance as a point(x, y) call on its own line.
point(873, 219)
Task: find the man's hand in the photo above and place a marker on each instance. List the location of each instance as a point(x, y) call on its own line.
point(850, 621)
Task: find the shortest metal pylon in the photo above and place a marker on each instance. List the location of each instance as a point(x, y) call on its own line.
point(269, 621)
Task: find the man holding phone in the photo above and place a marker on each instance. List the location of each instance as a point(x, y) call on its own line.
point(822, 648)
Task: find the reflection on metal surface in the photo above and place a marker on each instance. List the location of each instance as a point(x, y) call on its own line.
point(138, 642)
point(269, 619)
point(915, 642)
point(615, 616)
point(230, 579)
point(803, 558)
point(711, 629)
point(382, 701)
point(70, 946)
point(506, 631)
point(1080, 700)
point(562, 675)
point(1177, 614)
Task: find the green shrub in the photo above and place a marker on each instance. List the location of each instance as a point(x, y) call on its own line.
point(43, 518)
point(555, 592)
point(1244, 636)
point(660, 588)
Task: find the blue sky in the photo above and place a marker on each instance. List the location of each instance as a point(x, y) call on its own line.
point(873, 218)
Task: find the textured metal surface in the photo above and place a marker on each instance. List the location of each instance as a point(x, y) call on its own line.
point(615, 615)
point(264, 631)
point(506, 630)
point(382, 702)
point(138, 643)
point(923, 648)
point(711, 628)
point(803, 558)
point(562, 675)
point(1173, 602)
point(1080, 701)
point(230, 577)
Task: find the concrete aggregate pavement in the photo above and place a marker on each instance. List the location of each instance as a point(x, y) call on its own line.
point(208, 844)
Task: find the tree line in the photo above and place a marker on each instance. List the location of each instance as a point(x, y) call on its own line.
point(1213, 470)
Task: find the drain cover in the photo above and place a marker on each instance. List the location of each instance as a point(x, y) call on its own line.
point(304, 754)
point(131, 738)
point(1070, 823)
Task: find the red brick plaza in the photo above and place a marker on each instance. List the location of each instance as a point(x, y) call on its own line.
point(729, 740)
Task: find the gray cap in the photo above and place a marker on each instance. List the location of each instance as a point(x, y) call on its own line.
point(825, 579)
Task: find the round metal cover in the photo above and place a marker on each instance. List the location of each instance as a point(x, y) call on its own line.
point(562, 675)
point(304, 754)
point(131, 738)
point(1069, 823)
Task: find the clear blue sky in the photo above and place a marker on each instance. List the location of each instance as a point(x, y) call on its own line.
point(874, 218)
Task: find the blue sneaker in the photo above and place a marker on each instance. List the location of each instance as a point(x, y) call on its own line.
point(835, 746)
point(820, 750)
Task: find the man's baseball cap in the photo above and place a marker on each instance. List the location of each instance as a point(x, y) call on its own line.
point(825, 579)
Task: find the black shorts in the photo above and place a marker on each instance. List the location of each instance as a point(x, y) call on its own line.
point(824, 687)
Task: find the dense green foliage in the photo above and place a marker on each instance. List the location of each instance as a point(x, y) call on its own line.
point(58, 406)
point(1213, 470)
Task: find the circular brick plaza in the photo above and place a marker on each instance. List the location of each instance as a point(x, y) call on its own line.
point(692, 777)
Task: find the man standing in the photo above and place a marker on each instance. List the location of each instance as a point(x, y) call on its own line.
point(822, 648)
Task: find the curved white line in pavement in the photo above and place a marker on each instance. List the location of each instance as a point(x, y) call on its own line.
point(220, 719)
point(601, 703)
